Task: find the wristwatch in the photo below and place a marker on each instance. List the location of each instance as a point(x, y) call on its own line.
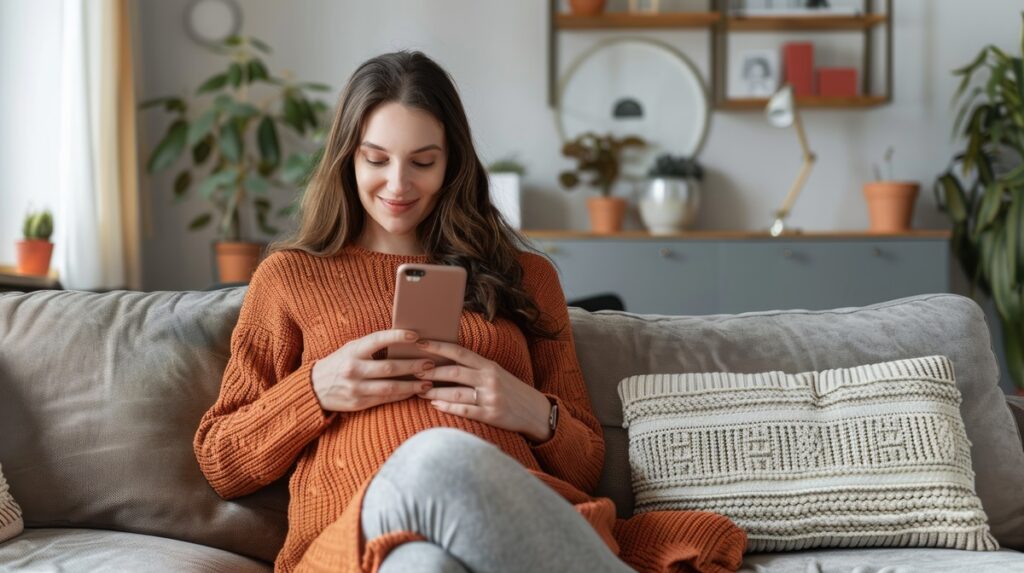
point(553, 417)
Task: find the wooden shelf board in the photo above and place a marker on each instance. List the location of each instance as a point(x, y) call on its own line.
point(611, 20)
point(804, 23)
point(757, 104)
point(739, 235)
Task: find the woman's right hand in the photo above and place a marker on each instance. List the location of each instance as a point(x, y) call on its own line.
point(349, 379)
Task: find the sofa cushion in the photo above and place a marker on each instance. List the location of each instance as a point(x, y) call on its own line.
point(98, 551)
point(883, 560)
point(870, 456)
point(102, 395)
point(614, 345)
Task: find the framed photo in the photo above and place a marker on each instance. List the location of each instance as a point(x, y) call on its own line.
point(755, 73)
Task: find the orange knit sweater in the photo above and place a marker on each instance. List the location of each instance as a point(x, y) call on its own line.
point(300, 308)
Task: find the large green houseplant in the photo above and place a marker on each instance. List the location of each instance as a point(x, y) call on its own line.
point(244, 133)
point(982, 191)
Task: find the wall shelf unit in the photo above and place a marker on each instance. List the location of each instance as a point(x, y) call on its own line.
point(721, 23)
point(618, 20)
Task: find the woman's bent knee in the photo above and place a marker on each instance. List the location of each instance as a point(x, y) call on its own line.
point(417, 556)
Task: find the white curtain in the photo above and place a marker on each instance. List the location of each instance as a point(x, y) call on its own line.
point(94, 228)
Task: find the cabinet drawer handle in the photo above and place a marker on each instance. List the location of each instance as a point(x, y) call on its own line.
point(787, 254)
point(665, 253)
point(550, 249)
point(876, 251)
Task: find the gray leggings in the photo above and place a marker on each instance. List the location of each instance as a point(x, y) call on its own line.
point(480, 511)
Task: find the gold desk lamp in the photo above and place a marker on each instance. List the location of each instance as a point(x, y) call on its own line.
point(781, 111)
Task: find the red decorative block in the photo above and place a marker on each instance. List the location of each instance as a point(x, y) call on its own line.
point(798, 62)
point(837, 82)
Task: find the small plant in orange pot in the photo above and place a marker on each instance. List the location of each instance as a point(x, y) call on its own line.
point(890, 202)
point(599, 154)
point(35, 250)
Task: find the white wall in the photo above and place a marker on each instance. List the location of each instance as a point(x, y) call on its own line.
point(496, 50)
point(29, 114)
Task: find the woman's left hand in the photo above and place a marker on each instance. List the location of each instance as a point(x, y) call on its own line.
point(488, 393)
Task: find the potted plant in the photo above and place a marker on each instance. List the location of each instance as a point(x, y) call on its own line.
point(241, 147)
point(982, 191)
point(35, 250)
point(599, 154)
point(672, 195)
point(890, 202)
point(586, 7)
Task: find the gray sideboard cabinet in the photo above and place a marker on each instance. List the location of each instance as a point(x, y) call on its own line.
point(731, 272)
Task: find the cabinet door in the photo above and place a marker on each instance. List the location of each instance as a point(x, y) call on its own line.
point(767, 275)
point(651, 277)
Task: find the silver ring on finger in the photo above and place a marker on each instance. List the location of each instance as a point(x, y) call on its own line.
point(475, 397)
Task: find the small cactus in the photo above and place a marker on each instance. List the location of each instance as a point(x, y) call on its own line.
point(38, 226)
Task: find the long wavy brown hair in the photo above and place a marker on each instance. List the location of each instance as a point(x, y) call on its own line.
point(464, 228)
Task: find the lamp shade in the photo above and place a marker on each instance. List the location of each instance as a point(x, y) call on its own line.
point(780, 108)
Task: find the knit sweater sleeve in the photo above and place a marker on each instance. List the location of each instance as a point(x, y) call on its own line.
point(266, 412)
point(576, 451)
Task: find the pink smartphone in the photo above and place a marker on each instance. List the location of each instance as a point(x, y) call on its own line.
point(428, 300)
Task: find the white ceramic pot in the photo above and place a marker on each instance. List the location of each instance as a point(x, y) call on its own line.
point(669, 204)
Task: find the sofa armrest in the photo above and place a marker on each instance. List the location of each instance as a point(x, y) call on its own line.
point(1016, 404)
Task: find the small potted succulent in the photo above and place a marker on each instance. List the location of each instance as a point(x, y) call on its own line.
point(890, 202)
point(35, 250)
point(601, 155)
point(671, 198)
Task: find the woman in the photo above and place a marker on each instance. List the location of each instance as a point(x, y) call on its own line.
point(374, 486)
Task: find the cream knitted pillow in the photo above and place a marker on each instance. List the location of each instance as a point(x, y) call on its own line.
point(10, 514)
point(868, 456)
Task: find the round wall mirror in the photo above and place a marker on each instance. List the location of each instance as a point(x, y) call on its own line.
point(635, 86)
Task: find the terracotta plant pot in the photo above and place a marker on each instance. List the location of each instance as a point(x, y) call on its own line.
point(606, 214)
point(237, 261)
point(586, 7)
point(890, 205)
point(34, 257)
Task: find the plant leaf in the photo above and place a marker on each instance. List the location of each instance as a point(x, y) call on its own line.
point(1012, 238)
point(955, 202)
point(200, 222)
point(169, 148)
point(201, 127)
point(181, 183)
point(260, 45)
point(266, 135)
point(201, 151)
point(242, 110)
point(235, 74)
point(257, 71)
point(231, 142)
point(293, 114)
point(256, 184)
point(991, 203)
point(213, 84)
point(223, 178)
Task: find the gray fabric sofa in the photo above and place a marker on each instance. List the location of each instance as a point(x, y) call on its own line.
point(100, 395)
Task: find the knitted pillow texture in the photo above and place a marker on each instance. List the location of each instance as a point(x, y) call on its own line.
point(872, 455)
point(11, 523)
